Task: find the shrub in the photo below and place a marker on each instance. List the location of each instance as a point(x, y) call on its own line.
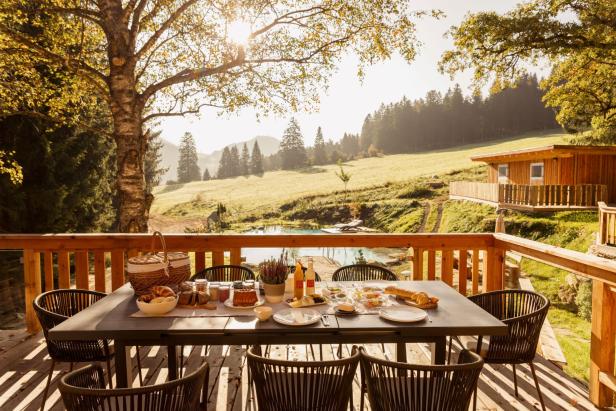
point(415, 191)
point(583, 300)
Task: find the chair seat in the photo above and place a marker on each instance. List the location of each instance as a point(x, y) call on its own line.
point(470, 343)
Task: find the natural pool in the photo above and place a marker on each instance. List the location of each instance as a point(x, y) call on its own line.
point(344, 256)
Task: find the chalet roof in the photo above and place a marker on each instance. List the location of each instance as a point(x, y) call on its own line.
point(539, 153)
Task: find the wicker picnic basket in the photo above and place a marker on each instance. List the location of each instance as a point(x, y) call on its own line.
point(162, 268)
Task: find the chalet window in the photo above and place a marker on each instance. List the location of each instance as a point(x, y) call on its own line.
point(536, 171)
point(503, 173)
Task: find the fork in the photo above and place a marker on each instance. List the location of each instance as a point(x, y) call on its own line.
point(325, 320)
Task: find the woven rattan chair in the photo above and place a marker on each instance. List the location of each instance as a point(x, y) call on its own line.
point(54, 307)
point(524, 313)
point(225, 273)
point(298, 385)
point(84, 390)
point(363, 272)
point(394, 386)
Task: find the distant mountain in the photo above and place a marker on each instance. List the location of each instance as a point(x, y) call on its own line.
point(170, 155)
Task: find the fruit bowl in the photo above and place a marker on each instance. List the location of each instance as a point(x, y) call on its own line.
point(158, 308)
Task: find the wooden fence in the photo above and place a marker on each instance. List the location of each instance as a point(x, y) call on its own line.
point(88, 260)
point(523, 196)
point(607, 224)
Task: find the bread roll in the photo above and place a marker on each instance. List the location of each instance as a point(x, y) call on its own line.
point(401, 292)
point(162, 291)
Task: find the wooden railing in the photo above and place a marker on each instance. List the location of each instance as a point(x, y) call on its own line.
point(607, 224)
point(470, 190)
point(480, 260)
point(523, 196)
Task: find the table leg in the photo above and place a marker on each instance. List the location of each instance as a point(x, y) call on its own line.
point(401, 352)
point(439, 350)
point(123, 365)
point(172, 362)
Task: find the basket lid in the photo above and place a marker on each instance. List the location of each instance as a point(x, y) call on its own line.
point(145, 259)
point(173, 255)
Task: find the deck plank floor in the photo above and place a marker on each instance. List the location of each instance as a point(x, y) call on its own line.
point(24, 365)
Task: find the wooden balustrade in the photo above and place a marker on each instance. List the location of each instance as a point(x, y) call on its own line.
point(470, 190)
point(97, 261)
point(530, 197)
point(607, 224)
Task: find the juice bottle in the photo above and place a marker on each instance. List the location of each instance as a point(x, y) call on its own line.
point(310, 278)
point(298, 278)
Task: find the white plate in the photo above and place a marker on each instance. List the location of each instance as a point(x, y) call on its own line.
point(403, 314)
point(229, 303)
point(297, 317)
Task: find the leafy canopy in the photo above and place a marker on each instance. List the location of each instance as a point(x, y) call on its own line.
point(578, 39)
point(183, 54)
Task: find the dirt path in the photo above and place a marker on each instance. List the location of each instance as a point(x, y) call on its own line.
point(424, 220)
point(439, 215)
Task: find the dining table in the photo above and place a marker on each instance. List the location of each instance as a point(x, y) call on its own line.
point(116, 317)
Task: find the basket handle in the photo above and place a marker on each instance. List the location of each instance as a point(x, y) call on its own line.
point(159, 235)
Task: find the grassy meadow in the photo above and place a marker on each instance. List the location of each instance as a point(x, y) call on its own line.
point(268, 192)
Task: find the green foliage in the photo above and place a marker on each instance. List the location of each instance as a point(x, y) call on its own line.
point(359, 258)
point(256, 160)
point(68, 178)
point(292, 151)
point(245, 161)
point(10, 167)
point(319, 155)
point(408, 222)
point(188, 167)
point(153, 157)
point(206, 175)
point(420, 190)
point(580, 48)
point(343, 176)
point(467, 217)
point(583, 300)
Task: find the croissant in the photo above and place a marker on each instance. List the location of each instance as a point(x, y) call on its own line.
point(162, 291)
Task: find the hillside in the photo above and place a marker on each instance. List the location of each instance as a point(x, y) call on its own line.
point(246, 195)
point(170, 155)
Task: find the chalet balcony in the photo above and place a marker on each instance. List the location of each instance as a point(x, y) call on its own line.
point(468, 263)
point(552, 197)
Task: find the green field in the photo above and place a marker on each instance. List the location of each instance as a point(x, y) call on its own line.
point(249, 194)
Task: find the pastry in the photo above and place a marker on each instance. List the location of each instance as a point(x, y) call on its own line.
point(162, 291)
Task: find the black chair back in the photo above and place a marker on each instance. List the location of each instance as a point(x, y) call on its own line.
point(363, 272)
point(84, 390)
point(296, 385)
point(225, 273)
point(394, 386)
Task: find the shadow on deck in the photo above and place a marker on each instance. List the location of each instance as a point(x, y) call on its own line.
point(24, 365)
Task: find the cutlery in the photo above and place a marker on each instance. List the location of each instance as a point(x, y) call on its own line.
point(325, 320)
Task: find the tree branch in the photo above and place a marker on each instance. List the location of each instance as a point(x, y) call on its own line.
point(164, 27)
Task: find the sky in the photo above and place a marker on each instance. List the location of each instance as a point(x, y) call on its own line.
point(347, 101)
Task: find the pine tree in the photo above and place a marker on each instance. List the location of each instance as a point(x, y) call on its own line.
point(245, 161)
point(206, 175)
point(319, 154)
point(234, 162)
point(151, 163)
point(188, 167)
point(292, 150)
point(224, 164)
point(256, 161)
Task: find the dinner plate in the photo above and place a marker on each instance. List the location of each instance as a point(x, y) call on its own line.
point(403, 314)
point(229, 303)
point(296, 317)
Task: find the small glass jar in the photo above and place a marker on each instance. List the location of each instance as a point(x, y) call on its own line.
point(214, 288)
point(238, 285)
point(201, 284)
point(249, 284)
point(223, 293)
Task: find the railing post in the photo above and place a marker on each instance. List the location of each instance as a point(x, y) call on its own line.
point(493, 269)
point(417, 264)
point(32, 285)
point(602, 342)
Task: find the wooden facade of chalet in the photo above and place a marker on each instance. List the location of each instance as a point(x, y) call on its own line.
point(545, 178)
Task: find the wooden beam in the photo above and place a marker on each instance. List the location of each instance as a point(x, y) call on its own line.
point(82, 270)
point(475, 273)
point(48, 264)
point(602, 343)
point(235, 256)
point(99, 272)
point(218, 257)
point(447, 267)
point(462, 271)
point(431, 264)
point(204, 242)
point(32, 285)
point(117, 269)
point(199, 261)
point(64, 270)
point(418, 264)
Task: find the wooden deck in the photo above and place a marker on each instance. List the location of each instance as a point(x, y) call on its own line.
point(24, 365)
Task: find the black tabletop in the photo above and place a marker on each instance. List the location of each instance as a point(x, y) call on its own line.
point(110, 318)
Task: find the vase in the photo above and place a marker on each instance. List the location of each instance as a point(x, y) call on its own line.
point(274, 293)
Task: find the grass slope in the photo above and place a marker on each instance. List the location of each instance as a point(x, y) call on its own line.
point(248, 194)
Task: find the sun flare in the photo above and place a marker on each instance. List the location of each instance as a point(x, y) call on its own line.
point(238, 32)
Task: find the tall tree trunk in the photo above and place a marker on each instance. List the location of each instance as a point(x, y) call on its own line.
point(127, 110)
